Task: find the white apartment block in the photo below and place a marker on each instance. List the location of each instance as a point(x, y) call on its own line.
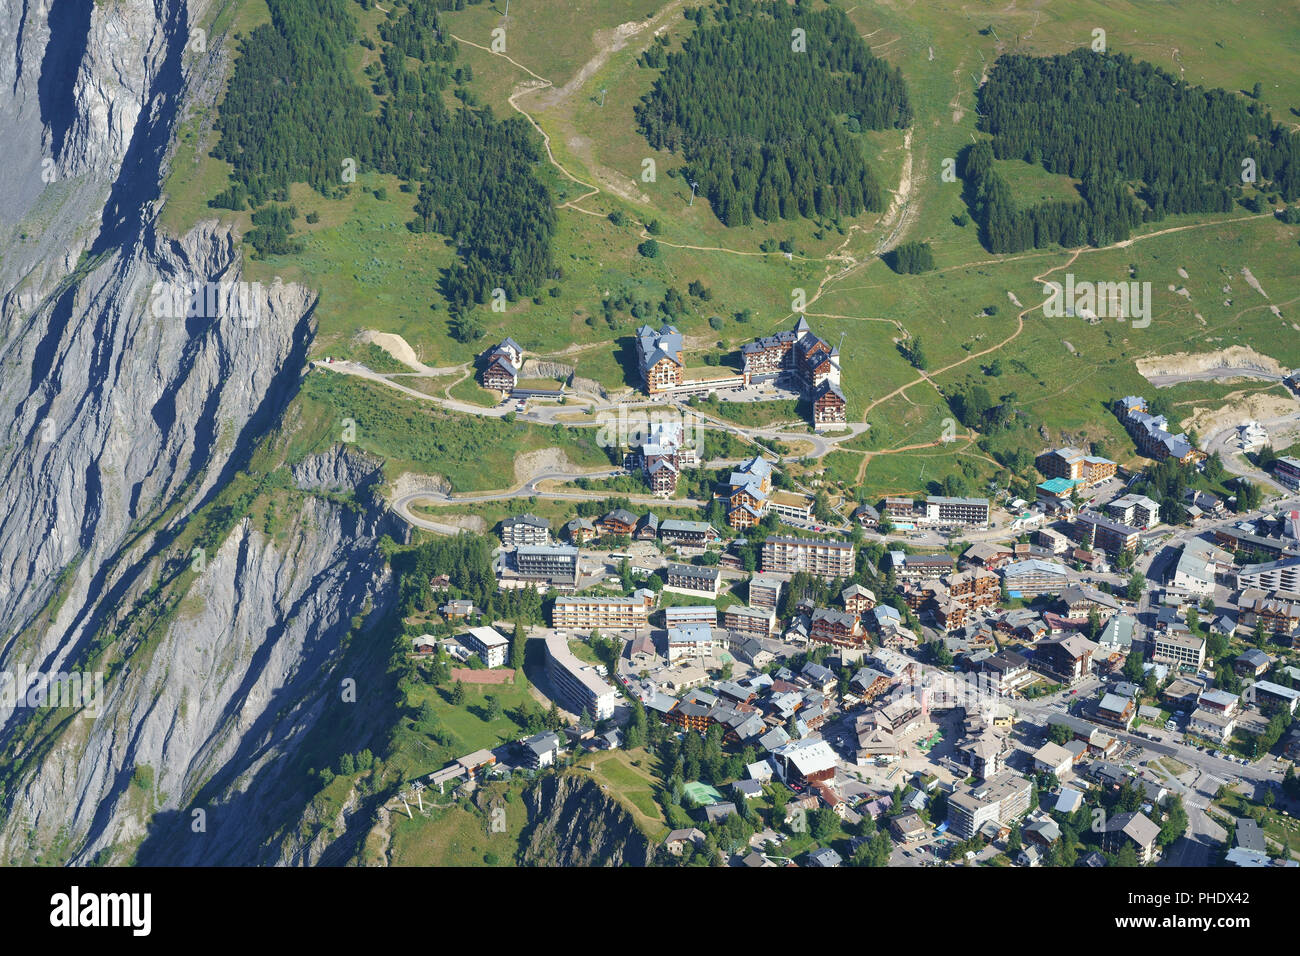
point(1179, 649)
point(488, 644)
point(827, 559)
point(1283, 575)
point(964, 512)
point(600, 612)
point(577, 683)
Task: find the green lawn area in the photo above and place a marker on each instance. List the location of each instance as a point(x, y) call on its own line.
point(473, 453)
point(752, 414)
point(1032, 185)
point(1170, 766)
point(637, 785)
point(469, 390)
point(583, 652)
point(456, 836)
point(1283, 829)
point(466, 721)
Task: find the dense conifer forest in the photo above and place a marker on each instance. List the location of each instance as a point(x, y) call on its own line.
point(1143, 143)
point(767, 119)
point(295, 113)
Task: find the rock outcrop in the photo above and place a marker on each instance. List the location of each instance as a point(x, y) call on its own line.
point(120, 420)
point(573, 822)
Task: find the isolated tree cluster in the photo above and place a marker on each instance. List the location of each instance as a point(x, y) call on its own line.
point(1142, 143)
point(780, 144)
point(293, 112)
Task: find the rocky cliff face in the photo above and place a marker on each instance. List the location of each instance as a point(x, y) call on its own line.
point(119, 419)
point(575, 823)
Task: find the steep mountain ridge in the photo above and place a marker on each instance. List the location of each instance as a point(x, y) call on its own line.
point(119, 421)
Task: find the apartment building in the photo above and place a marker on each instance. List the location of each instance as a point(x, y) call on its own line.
point(692, 579)
point(1151, 434)
point(1279, 612)
point(525, 529)
point(1198, 566)
point(1238, 540)
point(1139, 511)
point(501, 366)
point(619, 523)
point(601, 612)
point(1212, 724)
point(749, 621)
point(661, 472)
point(858, 600)
point(580, 530)
point(765, 590)
point(1065, 657)
point(581, 689)
point(797, 354)
point(1006, 671)
point(1272, 697)
point(901, 509)
point(1280, 575)
point(663, 455)
point(691, 534)
point(1179, 649)
point(826, 559)
point(691, 614)
point(916, 567)
point(838, 628)
point(977, 587)
point(1053, 541)
point(830, 410)
point(1076, 466)
point(954, 512)
point(554, 564)
point(1105, 534)
point(1035, 576)
point(748, 493)
point(1135, 829)
point(692, 639)
point(488, 644)
point(1287, 471)
point(989, 805)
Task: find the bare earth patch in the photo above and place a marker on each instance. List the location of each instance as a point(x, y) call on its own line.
point(1187, 363)
point(1252, 281)
point(468, 675)
point(543, 459)
point(1239, 407)
point(397, 347)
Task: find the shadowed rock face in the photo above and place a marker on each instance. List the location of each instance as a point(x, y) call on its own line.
point(572, 822)
point(113, 411)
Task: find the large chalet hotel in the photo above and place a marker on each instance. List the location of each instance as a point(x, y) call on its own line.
point(797, 353)
point(800, 356)
point(1151, 434)
point(748, 492)
point(797, 356)
point(659, 357)
point(1072, 465)
point(501, 366)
